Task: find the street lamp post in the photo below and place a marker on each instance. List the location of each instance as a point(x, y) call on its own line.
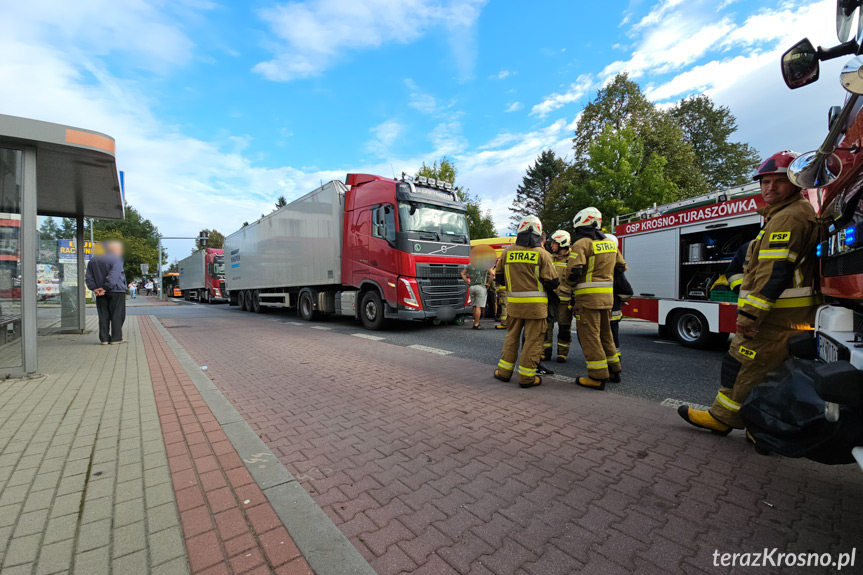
point(202, 240)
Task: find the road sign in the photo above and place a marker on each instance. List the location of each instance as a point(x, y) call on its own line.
point(145, 269)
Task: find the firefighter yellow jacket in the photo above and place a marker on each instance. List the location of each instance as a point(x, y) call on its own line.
point(564, 291)
point(778, 285)
point(594, 261)
point(524, 270)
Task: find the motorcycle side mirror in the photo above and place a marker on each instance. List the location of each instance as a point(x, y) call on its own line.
point(800, 65)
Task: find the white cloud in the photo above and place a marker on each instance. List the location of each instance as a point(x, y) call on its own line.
point(501, 75)
point(315, 35)
point(419, 100)
point(576, 91)
point(385, 135)
point(514, 107)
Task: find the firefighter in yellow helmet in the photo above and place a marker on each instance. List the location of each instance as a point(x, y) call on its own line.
point(590, 274)
point(776, 298)
point(528, 272)
point(560, 242)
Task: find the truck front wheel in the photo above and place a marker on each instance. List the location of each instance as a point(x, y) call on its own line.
point(372, 310)
point(306, 307)
point(691, 329)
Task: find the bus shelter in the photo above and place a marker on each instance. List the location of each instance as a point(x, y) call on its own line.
point(47, 169)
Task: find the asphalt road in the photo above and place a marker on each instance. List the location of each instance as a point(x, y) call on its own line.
point(654, 369)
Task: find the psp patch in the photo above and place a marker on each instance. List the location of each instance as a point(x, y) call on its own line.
point(780, 237)
point(604, 247)
point(746, 352)
point(522, 257)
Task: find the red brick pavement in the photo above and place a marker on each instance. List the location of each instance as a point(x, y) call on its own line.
point(228, 524)
point(431, 466)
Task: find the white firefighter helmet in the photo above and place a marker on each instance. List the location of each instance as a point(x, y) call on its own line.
point(562, 238)
point(530, 224)
point(589, 217)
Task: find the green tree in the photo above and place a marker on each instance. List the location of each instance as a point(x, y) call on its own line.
point(281, 202)
point(139, 236)
point(622, 104)
point(215, 240)
point(535, 195)
point(708, 129)
point(480, 224)
point(49, 230)
point(619, 177)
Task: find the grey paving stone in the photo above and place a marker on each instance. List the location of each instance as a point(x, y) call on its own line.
point(61, 528)
point(92, 562)
point(63, 505)
point(15, 494)
point(156, 476)
point(73, 484)
point(132, 564)
point(9, 514)
point(94, 535)
point(159, 495)
point(133, 489)
point(179, 566)
point(161, 517)
point(30, 523)
point(128, 512)
point(129, 538)
point(22, 550)
point(55, 558)
point(46, 480)
point(97, 509)
point(166, 545)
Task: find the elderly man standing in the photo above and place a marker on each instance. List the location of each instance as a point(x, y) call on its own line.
point(107, 281)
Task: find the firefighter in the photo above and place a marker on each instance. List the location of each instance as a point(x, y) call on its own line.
point(527, 271)
point(501, 301)
point(617, 302)
point(560, 242)
point(590, 274)
point(776, 298)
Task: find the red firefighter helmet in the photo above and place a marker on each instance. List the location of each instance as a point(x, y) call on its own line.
point(776, 164)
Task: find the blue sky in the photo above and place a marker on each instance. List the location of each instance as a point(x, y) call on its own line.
point(219, 107)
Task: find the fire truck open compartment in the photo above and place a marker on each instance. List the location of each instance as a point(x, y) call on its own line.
point(675, 254)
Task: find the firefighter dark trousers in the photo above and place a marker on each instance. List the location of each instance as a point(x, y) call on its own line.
point(564, 334)
point(747, 363)
point(531, 350)
point(594, 335)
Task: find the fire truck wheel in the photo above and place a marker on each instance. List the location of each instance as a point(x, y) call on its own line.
point(256, 302)
point(306, 307)
point(690, 328)
point(372, 310)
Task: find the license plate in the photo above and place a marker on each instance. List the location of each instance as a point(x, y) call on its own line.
point(830, 351)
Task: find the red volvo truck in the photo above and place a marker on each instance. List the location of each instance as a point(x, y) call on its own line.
point(202, 276)
point(371, 248)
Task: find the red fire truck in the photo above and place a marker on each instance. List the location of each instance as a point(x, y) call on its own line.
point(675, 254)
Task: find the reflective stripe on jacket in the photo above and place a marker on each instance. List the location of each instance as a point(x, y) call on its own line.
point(595, 260)
point(524, 270)
point(779, 273)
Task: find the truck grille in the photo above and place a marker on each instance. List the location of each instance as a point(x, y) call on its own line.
point(222, 286)
point(843, 264)
point(438, 271)
point(439, 292)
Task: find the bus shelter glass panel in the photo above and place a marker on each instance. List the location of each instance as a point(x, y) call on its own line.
point(11, 179)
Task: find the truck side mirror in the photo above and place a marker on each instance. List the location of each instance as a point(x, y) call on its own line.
point(800, 65)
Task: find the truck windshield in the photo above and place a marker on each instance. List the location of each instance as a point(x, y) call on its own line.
point(219, 268)
point(427, 219)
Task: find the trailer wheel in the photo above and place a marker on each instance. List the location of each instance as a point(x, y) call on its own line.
point(306, 307)
point(247, 297)
point(372, 310)
point(691, 329)
point(256, 302)
point(241, 300)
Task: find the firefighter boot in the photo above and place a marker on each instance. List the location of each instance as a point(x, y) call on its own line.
point(537, 381)
point(561, 358)
point(614, 377)
point(703, 419)
point(590, 383)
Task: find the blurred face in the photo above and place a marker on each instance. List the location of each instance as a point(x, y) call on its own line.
point(776, 188)
point(555, 247)
point(115, 248)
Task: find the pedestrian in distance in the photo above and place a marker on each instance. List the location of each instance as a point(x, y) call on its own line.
point(527, 271)
point(149, 287)
point(777, 296)
point(133, 290)
point(478, 275)
point(107, 281)
point(593, 262)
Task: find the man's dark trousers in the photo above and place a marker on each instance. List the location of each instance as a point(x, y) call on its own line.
point(111, 308)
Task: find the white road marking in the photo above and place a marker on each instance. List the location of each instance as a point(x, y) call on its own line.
point(321, 327)
point(563, 378)
point(294, 323)
point(675, 403)
point(369, 336)
point(430, 349)
point(663, 341)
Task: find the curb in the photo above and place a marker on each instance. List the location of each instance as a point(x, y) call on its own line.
point(326, 549)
